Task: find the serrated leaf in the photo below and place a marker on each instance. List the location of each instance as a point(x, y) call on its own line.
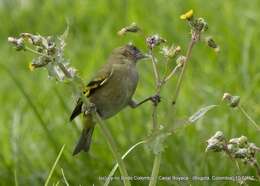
point(200, 113)
point(157, 143)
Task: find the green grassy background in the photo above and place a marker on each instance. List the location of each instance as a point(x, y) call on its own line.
point(34, 111)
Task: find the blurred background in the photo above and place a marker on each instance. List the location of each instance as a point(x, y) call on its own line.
point(34, 117)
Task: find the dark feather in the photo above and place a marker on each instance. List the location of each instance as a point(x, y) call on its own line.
point(77, 110)
point(101, 78)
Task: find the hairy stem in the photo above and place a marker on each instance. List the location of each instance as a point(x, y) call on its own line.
point(157, 158)
point(155, 69)
point(171, 74)
point(188, 55)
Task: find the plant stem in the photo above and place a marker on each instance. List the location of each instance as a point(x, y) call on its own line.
point(156, 168)
point(54, 165)
point(157, 158)
point(37, 53)
point(249, 117)
point(171, 74)
point(155, 70)
point(188, 55)
point(113, 149)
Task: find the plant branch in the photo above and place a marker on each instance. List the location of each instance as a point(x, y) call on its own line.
point(156, 168)
point(155, 69)
point(193, 40)
point(172, 73)
point(157, 158)
point(26, 48)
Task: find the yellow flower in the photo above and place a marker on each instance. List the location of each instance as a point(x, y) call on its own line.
point(187, 15)
point(31, 67)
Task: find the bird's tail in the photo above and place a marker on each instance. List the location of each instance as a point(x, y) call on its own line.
point(86, 135)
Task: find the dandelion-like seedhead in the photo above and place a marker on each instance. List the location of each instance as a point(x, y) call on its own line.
point(49, 51)
point(238, 148)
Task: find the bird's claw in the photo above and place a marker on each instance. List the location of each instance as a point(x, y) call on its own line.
point(156, 99)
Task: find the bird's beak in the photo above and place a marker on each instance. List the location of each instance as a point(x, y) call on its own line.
point(141, 55)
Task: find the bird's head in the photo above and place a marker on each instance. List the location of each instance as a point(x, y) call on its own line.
point(129, 52)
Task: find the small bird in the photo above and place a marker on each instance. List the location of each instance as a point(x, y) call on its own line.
point(110, 91)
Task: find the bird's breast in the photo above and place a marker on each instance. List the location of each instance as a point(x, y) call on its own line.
point(116, 93)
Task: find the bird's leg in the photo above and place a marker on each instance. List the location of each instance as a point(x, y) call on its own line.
point(155, 99)
point(88, 109)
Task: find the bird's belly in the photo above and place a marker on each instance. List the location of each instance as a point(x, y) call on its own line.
point(115, 94)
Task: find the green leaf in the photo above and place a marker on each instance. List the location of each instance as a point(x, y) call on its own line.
point(201, 112)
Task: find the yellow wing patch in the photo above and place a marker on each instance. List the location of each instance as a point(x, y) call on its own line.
point(96, 83)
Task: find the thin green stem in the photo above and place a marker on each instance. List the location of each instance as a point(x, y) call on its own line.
point(252, 122)
point(155, 69)
point(113, 148)
point(37, 53)
point(156, 168)
point(64, 178)
point(157, 158)
point(188, 55)
point(54, 165)
point(171, 74)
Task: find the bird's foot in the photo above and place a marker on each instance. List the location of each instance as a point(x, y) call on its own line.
point(155, 99)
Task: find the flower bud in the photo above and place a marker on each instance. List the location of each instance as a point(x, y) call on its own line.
point(232, 148)
point(219, 135)
point(242, 141)
point(19, 43)
point(252, 149)
point(235, 101)
point(216, 142)
point(234, 141)
point(187, 16)
point(210, 42)
point(131, 28)
point(154, 40)
point(232, 100)
point(241, 153)
point(200, 25)
point(170, 52)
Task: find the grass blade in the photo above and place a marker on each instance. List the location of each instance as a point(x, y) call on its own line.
point(54, 165)
point(112, 172)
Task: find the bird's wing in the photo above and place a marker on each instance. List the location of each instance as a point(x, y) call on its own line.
point(98, 81)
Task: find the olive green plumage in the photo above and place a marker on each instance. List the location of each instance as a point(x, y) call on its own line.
point(110, 90)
